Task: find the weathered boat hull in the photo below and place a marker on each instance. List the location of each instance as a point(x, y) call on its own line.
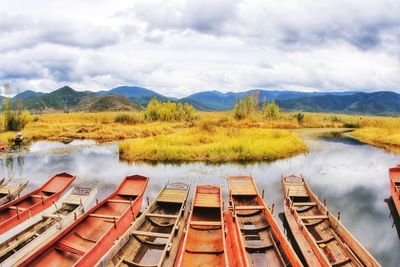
point(153, 240)
point(321, 237)
point(19, 210)
point(255, 237)
point(394, 176)
point(27, 236)
point(85, 241)
point(9, 193)
point(204, 242)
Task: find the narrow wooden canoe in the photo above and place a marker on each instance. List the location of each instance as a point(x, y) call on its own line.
point(153, 238)
point(204, 243)
point(394, 175)
point(85, 241)
point(255, 237)
point(17, 211)
point(32, 233)
point(10, 191)
point(321, 237)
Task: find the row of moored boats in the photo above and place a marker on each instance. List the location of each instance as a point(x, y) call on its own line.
point(49, 228)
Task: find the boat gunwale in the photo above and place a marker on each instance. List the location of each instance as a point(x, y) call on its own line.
point(273, 229)
point(122, 241)
point(335, 225)
point(182, 249)
point(32, 256)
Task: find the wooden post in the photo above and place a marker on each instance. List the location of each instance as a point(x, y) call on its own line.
point(42, 199)
point(338, 216)
point(272, 209)
point(325, 202)
point(262, 194)
point(115, 223)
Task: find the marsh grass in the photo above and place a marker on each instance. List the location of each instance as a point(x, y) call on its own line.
point(388, 137)
point(221, 145)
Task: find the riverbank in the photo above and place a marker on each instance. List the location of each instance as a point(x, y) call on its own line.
point(211, 136)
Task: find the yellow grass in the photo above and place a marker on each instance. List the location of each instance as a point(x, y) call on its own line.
point(388, 137)
point(219, 145)
point(379, 131)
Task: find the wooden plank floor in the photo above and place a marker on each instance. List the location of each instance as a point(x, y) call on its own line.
point(207, 200)
point(172, 195)
point(242, 185)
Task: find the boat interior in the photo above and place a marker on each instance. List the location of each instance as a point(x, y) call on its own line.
point(315, 219)
point(261, 245)
point(205, 240)
point(149, 239)
point(89, 230)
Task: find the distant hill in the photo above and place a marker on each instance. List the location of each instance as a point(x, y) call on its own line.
point(377, 103)
point(99, 103)
point(216, 101)
point(64, 98)
point(140, 95)
point(134, 98)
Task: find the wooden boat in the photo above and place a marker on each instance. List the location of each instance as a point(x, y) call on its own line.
point(153, 240)
point(321, 237)
point(255, 237)
point(17, 211)
point(9, 191)
point(394, 175)
point(204, 242)
point(35, 231)
point(3, 146)
point(85, 241)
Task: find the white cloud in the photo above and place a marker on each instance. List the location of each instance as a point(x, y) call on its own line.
point(179, 47)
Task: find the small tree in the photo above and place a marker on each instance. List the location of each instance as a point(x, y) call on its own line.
point(272, 111)
point(244, 108)
point(300, 117)
point(14, 118)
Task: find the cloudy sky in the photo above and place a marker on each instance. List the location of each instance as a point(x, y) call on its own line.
point(179, 47)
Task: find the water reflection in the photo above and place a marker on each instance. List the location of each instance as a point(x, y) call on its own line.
point(353, 179)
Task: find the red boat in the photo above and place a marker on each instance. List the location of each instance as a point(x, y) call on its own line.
point(204, 242)
point(254, 236)
point(91, 236)
point(394, 175)
point(17, 211)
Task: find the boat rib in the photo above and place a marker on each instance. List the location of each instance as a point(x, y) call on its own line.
point(321, 237)
point(85, 241)
point(153, 239)
point(20, 209)
point(255, 237)
point(204, 243)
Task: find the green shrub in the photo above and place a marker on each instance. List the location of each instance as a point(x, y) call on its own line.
point(272, 111)
point(169, 111)
point(127, 119)
point(300, 117)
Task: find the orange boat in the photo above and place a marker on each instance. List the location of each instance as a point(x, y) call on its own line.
point(17, 211)
point(394, 175)
point(255, 237)
point(91, 236)
point(204, 242)
point(321, 237)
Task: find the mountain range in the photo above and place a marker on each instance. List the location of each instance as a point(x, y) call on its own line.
point(127, 98)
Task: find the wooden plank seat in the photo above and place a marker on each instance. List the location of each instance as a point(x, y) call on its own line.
point(53, 216)
point(315, 223)
point(254, 230)
point(304, 204)
point(205, 200)
point(72, 202)
point(38, 196)
point(172, 196)
point(314, 217)
point(206, 223)
point(119, 201)
point(103, 216)
point(242, 186)
point(15, 207)
point(150, 234)
point(71, 247)
point(326, 240)
point(249, 207)
point(205, 251)
point(166, 216)
point(261, 248)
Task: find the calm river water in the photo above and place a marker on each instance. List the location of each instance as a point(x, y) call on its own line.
point(351, 176)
